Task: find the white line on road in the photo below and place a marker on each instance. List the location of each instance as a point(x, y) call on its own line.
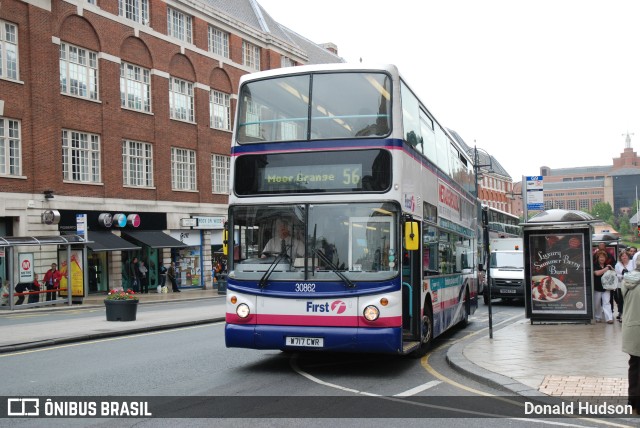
point(418, 389)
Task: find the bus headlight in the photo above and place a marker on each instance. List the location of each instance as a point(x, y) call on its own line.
point(371, 313)
point(243, 310)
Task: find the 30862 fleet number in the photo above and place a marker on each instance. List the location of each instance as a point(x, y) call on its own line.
point(304, 287)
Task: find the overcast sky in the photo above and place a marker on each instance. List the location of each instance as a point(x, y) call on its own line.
point(535, 83)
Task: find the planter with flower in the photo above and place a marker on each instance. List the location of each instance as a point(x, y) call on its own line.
point(121, 305)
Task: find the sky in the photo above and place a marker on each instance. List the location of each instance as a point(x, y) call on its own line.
point(534, 83)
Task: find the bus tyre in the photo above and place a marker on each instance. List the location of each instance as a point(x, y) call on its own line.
point(466, 307)
point(427, 330)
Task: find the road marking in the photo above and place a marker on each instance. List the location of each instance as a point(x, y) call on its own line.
point(418, 389)
point(293, 361)
point(108, 339)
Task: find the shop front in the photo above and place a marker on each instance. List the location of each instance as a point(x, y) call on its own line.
point(188, 259)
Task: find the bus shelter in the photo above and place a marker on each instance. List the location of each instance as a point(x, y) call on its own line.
point(558, 266)
point(20, 267)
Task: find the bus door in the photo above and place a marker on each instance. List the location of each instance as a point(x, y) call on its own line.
point(411, 281)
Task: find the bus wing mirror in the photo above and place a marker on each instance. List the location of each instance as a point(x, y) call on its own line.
point(225, 242)
point(411, 236)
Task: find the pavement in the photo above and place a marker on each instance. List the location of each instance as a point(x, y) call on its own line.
point(556, 359)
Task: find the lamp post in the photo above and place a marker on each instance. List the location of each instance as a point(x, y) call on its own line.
point(484, 215)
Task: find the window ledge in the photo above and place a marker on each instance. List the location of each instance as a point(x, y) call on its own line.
point(221, 129)
point(185, 190)
point(80, 98)
point(183, 121)
point(150, 113)
point(7, 79)
point(14, 177)
point(129, 186)
point(89, 183)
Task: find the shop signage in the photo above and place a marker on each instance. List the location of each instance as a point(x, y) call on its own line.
point(209, 222)
point(50, 217)
point(188, 222)
point(105, 220)
point(190, 238)
point(119, 220)
point(81, 224)
point(26, 267)
point(133, 220)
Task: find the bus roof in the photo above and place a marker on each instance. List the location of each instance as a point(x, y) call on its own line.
point(319, 67)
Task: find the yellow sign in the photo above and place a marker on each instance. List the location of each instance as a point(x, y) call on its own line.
point(77, 274)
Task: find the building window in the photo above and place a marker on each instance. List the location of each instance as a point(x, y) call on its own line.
point(572, 204)
point(595, 201)
point(78, 72)
point(250, 55)
point(10, 147)
point(220, 173)
point(286, 62)
point(135, 10)
point(559, 204)
point(181, 99)
point(80, 157)
point(220, 110)
point(584, 204)
point(183, 169)
point(548, 204)
point(8, 50)
point(137, 164)
point(179, 25)
point(135, 87)
point(218, 42)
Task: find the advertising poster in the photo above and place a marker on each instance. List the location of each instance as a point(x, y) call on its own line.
point(77, 272)
point(558, 274)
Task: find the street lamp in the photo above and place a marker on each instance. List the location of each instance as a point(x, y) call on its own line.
point(483, 210)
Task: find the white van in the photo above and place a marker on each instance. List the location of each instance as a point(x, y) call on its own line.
point(507, 269)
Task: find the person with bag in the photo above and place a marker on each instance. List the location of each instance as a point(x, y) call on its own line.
point(602, 297)
point(163, 277)
point(144, 280)
point(171, 274)
point(52, 281)
point(35, 286)
point(631, 334)
point(623, 266)
point(134, 275)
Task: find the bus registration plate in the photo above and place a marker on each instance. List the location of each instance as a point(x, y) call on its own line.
point(311, 342)
point(508, 291)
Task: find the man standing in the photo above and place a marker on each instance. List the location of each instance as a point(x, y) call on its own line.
point(172, 277)
point(134, 275)
point(52, 281)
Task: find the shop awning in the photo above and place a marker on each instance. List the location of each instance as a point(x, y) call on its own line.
point(153, 239)
point(107, 241)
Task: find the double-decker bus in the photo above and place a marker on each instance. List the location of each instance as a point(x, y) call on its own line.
point(379, 253)
point(503, 225)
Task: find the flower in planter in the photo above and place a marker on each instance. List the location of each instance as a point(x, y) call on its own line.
point(120, 294)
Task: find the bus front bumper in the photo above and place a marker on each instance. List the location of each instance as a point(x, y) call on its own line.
point(334, 339)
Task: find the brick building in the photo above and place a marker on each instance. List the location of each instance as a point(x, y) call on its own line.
point(580, 188)
point(122, 110)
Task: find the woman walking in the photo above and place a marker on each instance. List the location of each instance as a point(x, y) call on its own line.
point(631, 334)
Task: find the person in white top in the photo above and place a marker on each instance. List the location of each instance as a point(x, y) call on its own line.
point(624, 265)
point(634, 259)
point(283, 243)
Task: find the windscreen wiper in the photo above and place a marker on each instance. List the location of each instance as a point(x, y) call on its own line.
point(272, 267)
point(322, 256)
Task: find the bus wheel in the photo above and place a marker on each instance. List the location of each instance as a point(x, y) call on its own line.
point(466, 307)
point(427, 329)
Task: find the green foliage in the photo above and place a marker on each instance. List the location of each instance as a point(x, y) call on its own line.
point(602, 211)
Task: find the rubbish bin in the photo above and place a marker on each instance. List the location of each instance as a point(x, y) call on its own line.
point(222, 283)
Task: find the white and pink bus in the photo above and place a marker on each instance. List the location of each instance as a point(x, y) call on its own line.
point(379, 253)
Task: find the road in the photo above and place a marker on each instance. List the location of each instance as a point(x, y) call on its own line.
point(190, 365)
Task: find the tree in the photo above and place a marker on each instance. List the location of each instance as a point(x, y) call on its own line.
point(624, 228)
point(602, 211)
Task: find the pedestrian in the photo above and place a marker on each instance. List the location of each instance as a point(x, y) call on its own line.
point(134, 275)
point(171, 273)
point(631, 334)
point(163, 274)
point(52, 281)
point(144, 278)
point(35, 286)
point(602, 297)
point(623, 266)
